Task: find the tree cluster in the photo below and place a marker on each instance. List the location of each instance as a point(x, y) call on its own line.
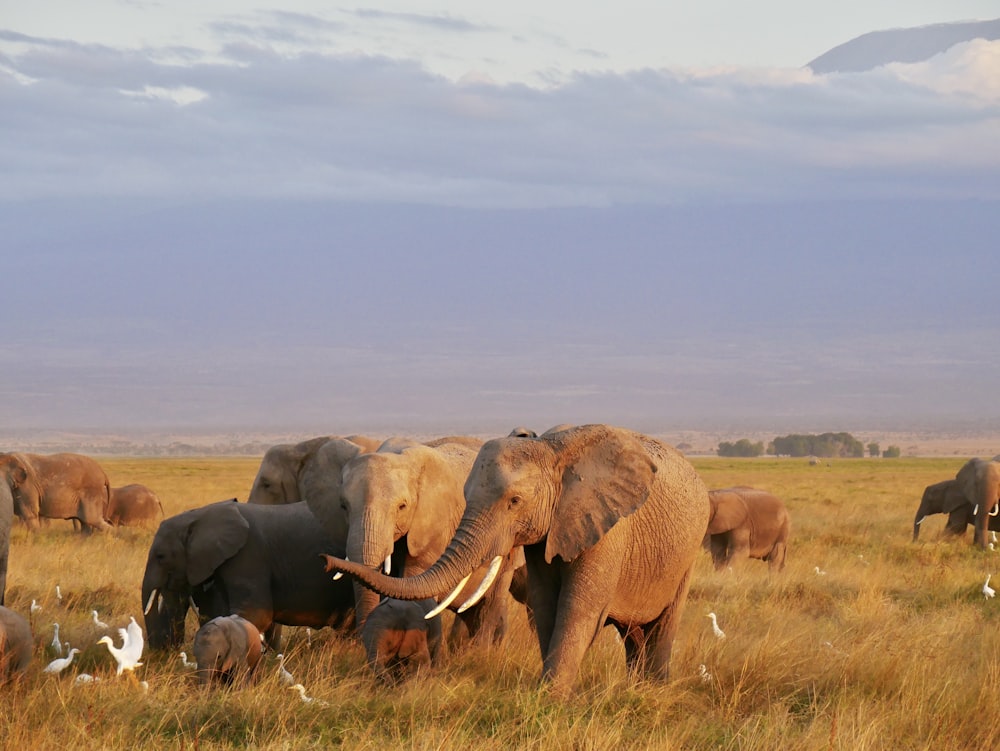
point(825, 444)
point(742, 447)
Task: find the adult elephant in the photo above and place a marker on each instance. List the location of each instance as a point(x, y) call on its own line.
point(6, 521)
point(747, 523)
point(611, 522)
point(947, 497)
point(134, 505)
point(57, 486)
point(259, 562)
point(980, 481)
point(403, 503)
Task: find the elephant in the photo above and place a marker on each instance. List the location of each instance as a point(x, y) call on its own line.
point(57, 486)
point(258, 562)
point(16, 644)
point(134, 505)
point(747, 523)
point(6, 521)
point(227, 651)
point(611, 522)
point(947, 497)
point(399, 641)
point(980, 481)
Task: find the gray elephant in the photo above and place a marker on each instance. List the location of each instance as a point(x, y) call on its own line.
point(747, 523)
point(948, 497)
point(134, 505)
point(980, 481)
point(57, 486)
point(6, 521)
point(259, 562)
point(227, 651)
point(15, 645)
point(399, 641)
point(611, 522)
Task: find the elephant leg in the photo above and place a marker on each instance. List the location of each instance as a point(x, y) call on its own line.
point(719, 546)
point(739, 544)
point(458, 635)
point(543, 594)
point(272, 635)
point(776, 558)
point(958, 521)
point(578, 621)
point(658, 636)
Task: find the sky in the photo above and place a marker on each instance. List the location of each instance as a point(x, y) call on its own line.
point(455, 216)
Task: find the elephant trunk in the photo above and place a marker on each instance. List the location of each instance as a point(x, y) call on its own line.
point(369, 542)
point(164, 612)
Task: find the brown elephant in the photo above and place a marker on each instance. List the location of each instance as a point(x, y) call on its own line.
point(227, 651)
point(15, 645)
point(611, 522)
point(57, 486)
point(134, 505)
point(747, 523)
point(399, 640)
point(980, 481)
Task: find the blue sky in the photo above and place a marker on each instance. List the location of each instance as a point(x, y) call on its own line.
point(461, 216)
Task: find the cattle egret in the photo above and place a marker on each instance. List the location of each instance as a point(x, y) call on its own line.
point(60, 664)
point(97, 621)
point(719, 633)
point(35, 607)
point(86, 678)
point(127, 656)
point(993, 536)
point(58, 594)
point(283, 674)
point(302, 694)
point(186, 662)
point(987, 589)
point(819, 571)
point(56, 644)
point(706, 677)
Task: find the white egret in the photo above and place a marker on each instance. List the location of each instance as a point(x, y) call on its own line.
point(186, 662)
point(127, 656)
point(703, 673)
point(302, 694)
point(55, 643)
point(58, 594)
point(97, 621)
point(60, 664)
point(987, 589)
point(283, 674)
point(719, 633)
point(819, 571)
point(35, 607)
point(993, 536)
point(86, 678)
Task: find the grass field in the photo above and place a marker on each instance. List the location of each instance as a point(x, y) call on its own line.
point(892, 646)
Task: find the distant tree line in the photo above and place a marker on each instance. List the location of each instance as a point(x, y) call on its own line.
point(742, 447)
point(825, 445)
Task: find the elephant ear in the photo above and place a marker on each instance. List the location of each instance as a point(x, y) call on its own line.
point(606, 475)
point(954, 497)
point(440, 494)
point(728, 511)
point(968, 480)
point(215, 536)
point(322, 480)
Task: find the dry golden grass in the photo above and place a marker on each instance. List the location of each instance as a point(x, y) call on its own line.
point(891, 647)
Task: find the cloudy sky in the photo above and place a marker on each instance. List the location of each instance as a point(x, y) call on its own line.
point(459, 215)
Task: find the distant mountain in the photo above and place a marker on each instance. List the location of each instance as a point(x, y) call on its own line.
point(901, 45)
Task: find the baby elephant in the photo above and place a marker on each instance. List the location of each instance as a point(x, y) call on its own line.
point(399, 641)
point(227, 650)
point(15, 645)
point(747, 523)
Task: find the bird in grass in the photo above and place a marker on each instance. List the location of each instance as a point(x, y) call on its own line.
point(86, 678)
point(283, 674)
point(97, 621)
point(819, 571)
point(58, 594)
point(719, 633)
point(128, 654)
point(703, 673)
point(306, 699)
point(35, 607)
point(186, 662)
point(55, 643)
point(987, 589)
point(61, 663)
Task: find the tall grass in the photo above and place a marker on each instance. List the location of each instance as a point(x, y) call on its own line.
point(892, 645)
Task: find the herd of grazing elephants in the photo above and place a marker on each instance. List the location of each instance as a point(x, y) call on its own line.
point(586, 526)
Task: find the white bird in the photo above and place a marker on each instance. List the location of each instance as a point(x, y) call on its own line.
point(302, 694)
point(56, 644)
point(60, 664)
point(97, 621)
point(719, 633)
point(127, 656)
point(35, 607)
point(819, 571)
point(58, 594)
point(987, 589)
point(186, 662)
point(86, 678)
point(309, 636)
point(706, 677)
point(993, 536)
point(283, 674)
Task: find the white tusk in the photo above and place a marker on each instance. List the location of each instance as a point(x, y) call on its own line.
point(387, 565)
point(149, 602)
point(996, 510)
point(447, 600)
point(975, 509)
point(921, 520)
point(491, 575)
point(339, 574)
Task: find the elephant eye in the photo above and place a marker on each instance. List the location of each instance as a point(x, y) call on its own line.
point(402, 505)
point(514, 501)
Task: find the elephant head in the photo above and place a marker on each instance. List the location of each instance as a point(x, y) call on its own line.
point(946, 497)
point(20, 476)
point(184, 554)
point(277, 480)
point(980, 482)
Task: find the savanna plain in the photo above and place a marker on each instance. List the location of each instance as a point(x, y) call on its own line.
point(865, 641)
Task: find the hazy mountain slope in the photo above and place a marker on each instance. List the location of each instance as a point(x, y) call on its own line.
point(901, 45)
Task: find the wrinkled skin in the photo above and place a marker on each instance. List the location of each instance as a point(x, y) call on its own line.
point(15, 645)
point(227, 650)
point(611, 522)
point(259, 562)
point(747, 523)
point(134, 505)
point(980, 481)
point(6, 521)
point(399, 641)
point(57, 486)
point(405, 500)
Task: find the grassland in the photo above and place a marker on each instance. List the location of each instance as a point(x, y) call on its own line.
point(892, 646)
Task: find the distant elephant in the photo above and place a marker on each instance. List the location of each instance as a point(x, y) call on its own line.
point(134, 505)
point(403, 503)
point(259, 562)
point(399, 641)
point(980, 481)
point(6, 521)
point(611, 522)
point(227, 651)
point(57, 486)
point(948, 497)
point(15, 644)
point(747, 523)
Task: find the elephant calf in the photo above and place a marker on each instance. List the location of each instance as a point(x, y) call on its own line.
point(398, 640)
point(949, 497)
point(15, 644)
point(134, 505)
point(747, 523)
point(227, 650)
